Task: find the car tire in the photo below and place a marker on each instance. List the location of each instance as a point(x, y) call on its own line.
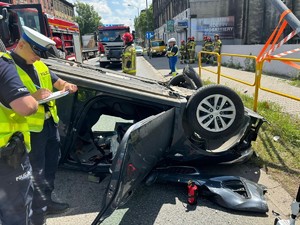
point(103, 64)
point(193, 75)
point(214, 111)
point(2, 46)
point(179, 81)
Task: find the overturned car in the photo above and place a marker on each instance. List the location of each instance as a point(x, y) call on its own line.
point(129, 126)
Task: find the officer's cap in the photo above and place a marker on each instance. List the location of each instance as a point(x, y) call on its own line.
point(39, 43)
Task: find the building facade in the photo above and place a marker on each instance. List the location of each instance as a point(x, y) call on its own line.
point(236, 21)
point(58, 8)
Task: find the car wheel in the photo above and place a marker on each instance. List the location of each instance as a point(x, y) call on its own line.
point(214, 111)
point(180, 82)
point(191, 73)
point(2, 46)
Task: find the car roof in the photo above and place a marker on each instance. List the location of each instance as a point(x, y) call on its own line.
point(113, 82)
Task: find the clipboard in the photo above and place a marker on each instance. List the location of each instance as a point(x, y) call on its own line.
point(53, 96)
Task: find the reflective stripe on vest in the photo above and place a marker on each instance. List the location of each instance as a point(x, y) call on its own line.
point(129, 54)
point(11, 122)
point(170, 54)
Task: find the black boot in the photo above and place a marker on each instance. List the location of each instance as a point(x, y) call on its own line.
point(56, 207)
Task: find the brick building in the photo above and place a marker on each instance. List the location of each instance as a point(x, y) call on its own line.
point(58, 8)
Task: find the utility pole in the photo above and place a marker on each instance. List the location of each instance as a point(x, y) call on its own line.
point(147, 18)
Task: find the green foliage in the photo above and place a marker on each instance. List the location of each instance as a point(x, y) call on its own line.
point(296, 81)
point(87, 18)
point(250, 64)
point(144, 22)
point(281, 124)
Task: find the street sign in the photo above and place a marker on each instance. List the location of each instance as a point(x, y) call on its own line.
point(149, 35)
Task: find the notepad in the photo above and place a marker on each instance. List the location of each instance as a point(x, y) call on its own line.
point(53, 96)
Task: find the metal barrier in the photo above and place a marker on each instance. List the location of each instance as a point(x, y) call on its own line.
point(258, 74)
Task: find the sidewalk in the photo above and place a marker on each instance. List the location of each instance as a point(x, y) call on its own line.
point(277, 84)
point(278, 198)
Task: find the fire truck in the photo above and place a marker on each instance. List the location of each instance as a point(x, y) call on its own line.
point(110, 43)
point(13, 17)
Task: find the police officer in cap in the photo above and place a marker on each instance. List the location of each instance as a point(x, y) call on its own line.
point(16, 187)
point(45, 141)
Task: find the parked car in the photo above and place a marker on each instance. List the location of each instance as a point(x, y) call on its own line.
point(130, 126)
point(139, 50)
point(158, 47)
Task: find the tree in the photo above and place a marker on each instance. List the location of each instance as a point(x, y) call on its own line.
point(144, 22)
point(87, 18)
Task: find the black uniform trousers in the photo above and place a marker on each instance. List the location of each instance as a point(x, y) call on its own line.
point(16, 192)
point(44, 158)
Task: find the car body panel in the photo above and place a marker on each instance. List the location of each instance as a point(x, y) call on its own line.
point(141, 148)
point(231, 192)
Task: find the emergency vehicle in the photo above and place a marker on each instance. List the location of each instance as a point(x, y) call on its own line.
point(64, 33)
point(110, 43)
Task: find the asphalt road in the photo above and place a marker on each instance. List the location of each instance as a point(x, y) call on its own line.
point(156, 204)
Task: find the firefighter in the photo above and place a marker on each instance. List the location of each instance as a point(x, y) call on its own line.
point(129, 55)
point(204, 40)
point(172, 54)
point(192, 193)
point(217, 46)
point(182, 51)
point(191, 50)
point(208, 47)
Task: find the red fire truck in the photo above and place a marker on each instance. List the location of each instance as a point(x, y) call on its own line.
point(110, 43)
point(13, 17)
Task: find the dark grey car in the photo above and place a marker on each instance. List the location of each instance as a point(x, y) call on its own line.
point(128, 126)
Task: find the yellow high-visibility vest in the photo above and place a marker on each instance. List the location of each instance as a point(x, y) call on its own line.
point(36, 121)
point(11, 122)
point(129, 55)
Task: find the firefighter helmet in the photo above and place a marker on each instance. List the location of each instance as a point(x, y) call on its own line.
point(182, 41)
point(216, 35)
point(192, 38)
point(189, 38)
point(171, 40)
point(127, 37)
point(205, 38)
point(58, 42)
point(208, 38)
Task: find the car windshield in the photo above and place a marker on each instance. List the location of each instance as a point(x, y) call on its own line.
point(111, 35)
point(138, 47)
point(29, 18)
point(157, 43)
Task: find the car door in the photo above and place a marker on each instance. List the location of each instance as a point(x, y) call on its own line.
point(142, 146)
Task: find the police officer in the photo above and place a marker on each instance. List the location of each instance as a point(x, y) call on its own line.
point(16, 187)
point(182, 51)
point(172, 54)
point(45, 141)
point(129, 55)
